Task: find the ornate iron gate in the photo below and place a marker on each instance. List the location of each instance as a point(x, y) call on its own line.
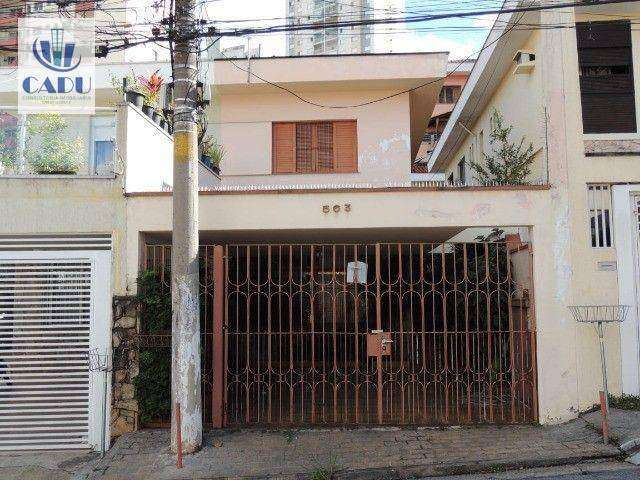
point(419, 333)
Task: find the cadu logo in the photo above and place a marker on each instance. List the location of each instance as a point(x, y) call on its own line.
point(59, 57)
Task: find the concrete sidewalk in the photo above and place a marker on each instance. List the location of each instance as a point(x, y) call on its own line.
point(346, 453)
point(624, 426)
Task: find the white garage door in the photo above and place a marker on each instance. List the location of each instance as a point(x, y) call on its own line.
point(54, 310)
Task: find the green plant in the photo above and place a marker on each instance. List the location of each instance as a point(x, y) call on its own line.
point(8, 146)
point(321, 474)
point(324, 472)
point(508, 163)
point(155, 303)
point(131, 81)
point(625, 402)
point(48, 149)
point(153, 383)
point(212, 149)
point(289, 435)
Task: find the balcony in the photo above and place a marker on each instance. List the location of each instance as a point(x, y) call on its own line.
point(33, 145)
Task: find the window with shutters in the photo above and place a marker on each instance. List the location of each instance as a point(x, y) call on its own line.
point(606, 77)
point(315, 147)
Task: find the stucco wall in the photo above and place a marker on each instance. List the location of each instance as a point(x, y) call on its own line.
point(553, 86)
point(397, 213)
point(149, 152)
point(243, 126)
point(38, 206)
point(520, 102)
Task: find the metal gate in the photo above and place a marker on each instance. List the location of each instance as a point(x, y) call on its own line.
point(403, 333)
point(54, 309)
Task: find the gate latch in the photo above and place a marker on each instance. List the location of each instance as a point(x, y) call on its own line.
point(378, 343)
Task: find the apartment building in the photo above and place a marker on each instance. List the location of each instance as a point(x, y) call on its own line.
point(356, 39)
point(457, 74)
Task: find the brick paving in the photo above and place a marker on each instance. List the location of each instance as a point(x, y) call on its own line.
point(352, 453)
point(374, 453)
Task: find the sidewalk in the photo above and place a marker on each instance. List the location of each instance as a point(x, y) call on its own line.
point(376, 453)
point(358, 453)
point(625, 430)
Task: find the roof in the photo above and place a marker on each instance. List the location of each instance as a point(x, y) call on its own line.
point(494, 61)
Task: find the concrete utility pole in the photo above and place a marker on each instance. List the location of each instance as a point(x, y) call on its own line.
point(185, 340)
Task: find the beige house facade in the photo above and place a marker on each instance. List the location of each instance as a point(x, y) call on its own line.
point(349, 291)
point(540, 81)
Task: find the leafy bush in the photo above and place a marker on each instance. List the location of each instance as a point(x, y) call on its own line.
point(625, 402)
point(48, 150)
point(153, 383)
point(508, 163)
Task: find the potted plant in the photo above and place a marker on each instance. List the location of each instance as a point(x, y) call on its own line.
point(48, 150)
point(212, 154)
point(130, 89)
point(150, 88)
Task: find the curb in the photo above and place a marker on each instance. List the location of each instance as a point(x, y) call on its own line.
point(425, 471)
point(393, 473)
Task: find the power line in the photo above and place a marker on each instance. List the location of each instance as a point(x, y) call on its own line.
point(377, 100)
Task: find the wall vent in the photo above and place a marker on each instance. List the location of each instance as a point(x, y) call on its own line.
point(55, 242)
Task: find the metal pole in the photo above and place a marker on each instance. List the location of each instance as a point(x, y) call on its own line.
point(603, 361)
point(104, 413)
point(185, 343)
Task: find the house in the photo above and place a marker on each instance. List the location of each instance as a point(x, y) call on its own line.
point(573, 94)
point(335, 290)
point(457, 74)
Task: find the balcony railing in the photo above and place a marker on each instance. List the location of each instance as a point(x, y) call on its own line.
point(54, 144)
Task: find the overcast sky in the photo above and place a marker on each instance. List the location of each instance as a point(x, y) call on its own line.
point(459, 44)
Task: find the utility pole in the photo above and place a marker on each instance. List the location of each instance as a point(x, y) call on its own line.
point(185, 333)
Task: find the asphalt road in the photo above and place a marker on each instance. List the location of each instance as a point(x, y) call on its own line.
point(598, 471)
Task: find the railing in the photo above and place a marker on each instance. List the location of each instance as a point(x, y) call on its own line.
point(415, 182)
point(55, 144)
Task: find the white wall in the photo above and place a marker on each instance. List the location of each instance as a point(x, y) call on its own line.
point(148, 153)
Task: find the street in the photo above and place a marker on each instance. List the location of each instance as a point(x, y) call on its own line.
point(585, 471)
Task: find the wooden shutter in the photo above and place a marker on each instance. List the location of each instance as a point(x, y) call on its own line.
point(345, 146)
point(606, 77)
point(284, 147)
point(304, 148)
point(324, 139)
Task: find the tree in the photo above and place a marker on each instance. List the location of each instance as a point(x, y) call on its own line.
point(507, 163)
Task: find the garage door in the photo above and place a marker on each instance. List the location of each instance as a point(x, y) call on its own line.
point(54, 311)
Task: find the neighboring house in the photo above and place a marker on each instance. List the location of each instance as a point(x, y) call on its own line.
point(457, 74)
point(574, 94)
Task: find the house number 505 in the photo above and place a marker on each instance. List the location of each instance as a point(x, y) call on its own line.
point(336, 208)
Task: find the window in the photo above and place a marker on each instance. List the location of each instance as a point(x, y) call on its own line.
point(103, 134)
point(606, 77)
point(600, 223)
point(481, 144)
point(431, 137)
point(315, 147)
point(462, 174)
point(449, 94)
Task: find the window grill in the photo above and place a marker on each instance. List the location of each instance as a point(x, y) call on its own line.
point(600, 224)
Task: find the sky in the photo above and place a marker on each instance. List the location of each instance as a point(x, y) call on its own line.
point(412, 38)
